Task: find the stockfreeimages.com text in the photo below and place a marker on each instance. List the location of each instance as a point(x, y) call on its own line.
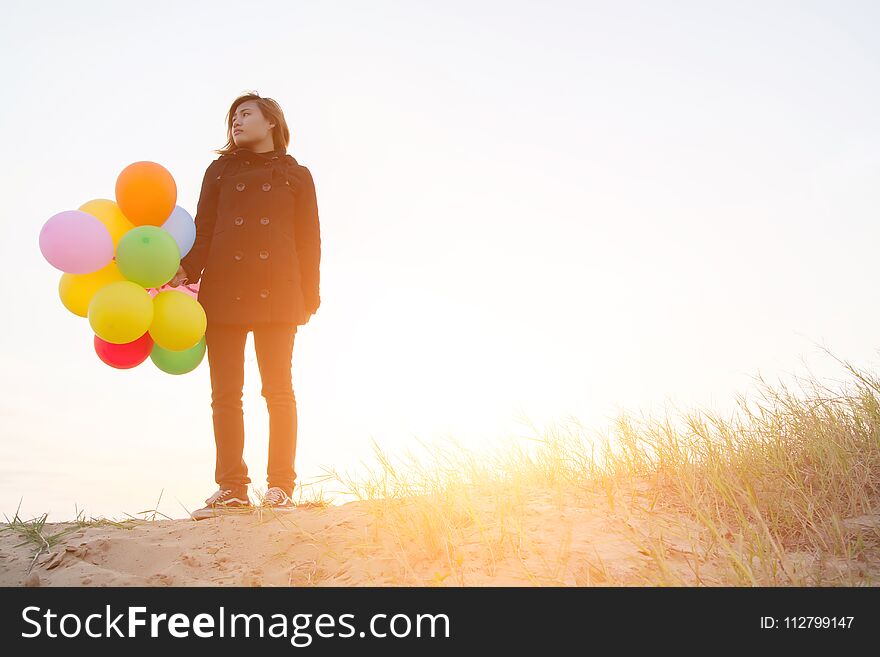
point(136, 622)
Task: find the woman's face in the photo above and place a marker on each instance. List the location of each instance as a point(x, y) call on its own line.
point(249, 126)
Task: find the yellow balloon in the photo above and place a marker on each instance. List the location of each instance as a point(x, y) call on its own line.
point(121, 312)
point(110, 215)
point(77, 290)
point(179, 321)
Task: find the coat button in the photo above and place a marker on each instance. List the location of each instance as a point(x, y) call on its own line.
point(267, 187)
point(238, 255)
point(247, 161)
point(264, 254)
point(264, 220)
point(264, 293)
point(239, 186)
point(239, 221)
point(238, 298)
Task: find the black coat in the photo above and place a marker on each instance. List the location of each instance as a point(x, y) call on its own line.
point(258, 240)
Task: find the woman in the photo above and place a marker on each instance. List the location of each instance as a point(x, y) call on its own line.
point(257, 253)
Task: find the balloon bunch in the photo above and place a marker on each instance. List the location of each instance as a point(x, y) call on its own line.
point(117, 258)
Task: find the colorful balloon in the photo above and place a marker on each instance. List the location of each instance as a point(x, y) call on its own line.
point(76, 242)
point(179, 321)
point(120, 312)
point(146, 193)
point(109, 214)
point(182, 228)
point(178, 362)
point(124, 356)
point(148, 255)
point(76, 290)
point(117, 257)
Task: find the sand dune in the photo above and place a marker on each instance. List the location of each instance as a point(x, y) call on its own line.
point(574, 540)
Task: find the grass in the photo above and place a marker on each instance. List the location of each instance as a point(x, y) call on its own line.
point(33, 531)
point(784, 492)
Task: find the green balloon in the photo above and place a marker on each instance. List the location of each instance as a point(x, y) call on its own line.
point(178, 362)
point(148, 256)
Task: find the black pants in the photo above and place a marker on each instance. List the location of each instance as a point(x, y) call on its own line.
point(274, 346)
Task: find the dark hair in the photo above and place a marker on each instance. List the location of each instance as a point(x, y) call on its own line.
point(271, 110)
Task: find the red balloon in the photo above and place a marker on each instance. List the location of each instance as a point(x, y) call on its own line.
point(127, 355)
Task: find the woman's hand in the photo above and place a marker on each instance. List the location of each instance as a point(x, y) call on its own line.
point(179, 278)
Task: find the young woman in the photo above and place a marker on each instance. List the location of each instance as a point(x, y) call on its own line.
point(257, 253)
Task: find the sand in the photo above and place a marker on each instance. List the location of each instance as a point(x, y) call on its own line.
point(578, 538)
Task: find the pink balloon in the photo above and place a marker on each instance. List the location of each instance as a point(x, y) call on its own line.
point(76, 242)
point(191, 289)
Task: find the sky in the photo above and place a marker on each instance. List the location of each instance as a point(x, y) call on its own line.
point(529, 212)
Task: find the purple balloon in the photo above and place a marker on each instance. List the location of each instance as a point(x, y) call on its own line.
point(76, 242)
point(183, 230)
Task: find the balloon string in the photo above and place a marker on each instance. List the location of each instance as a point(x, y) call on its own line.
point(188, 286)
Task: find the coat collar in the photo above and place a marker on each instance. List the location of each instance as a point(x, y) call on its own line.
point(244, 151)
point(280, 159)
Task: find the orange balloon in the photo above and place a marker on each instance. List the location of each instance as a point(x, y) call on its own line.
point(146, 193)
